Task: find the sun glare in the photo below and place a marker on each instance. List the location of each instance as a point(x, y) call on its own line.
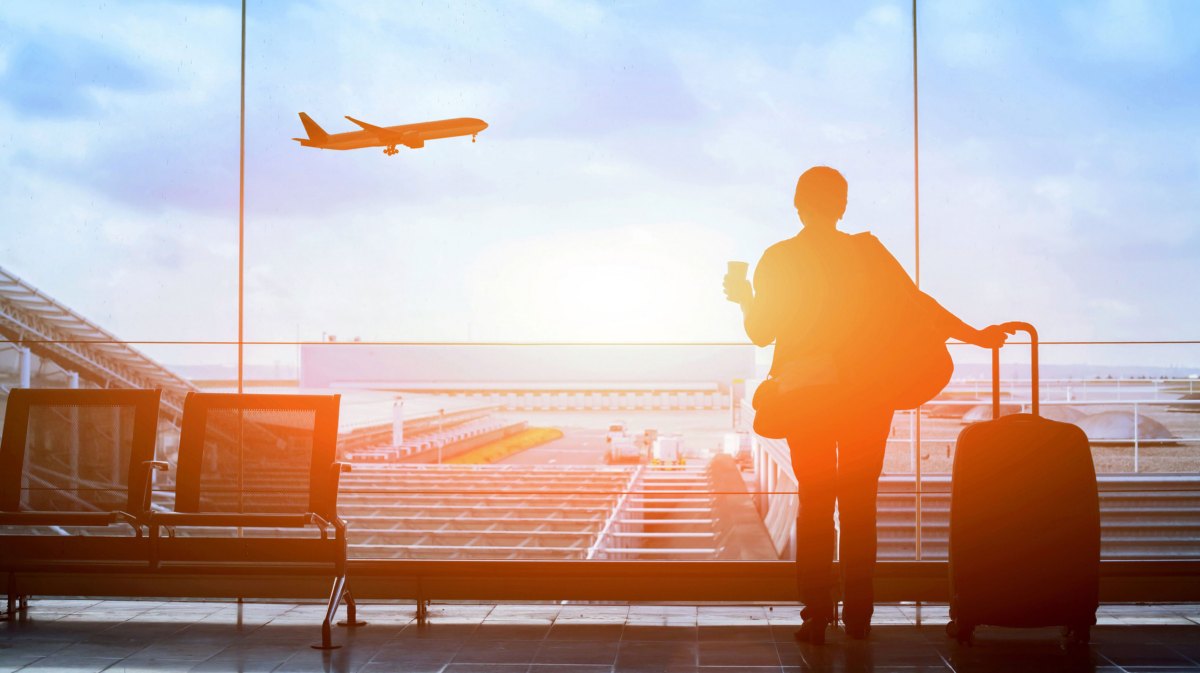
point(600, 286)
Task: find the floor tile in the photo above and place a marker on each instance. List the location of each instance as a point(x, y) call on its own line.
point(578, 631)
point(137, 636)
point(510, 631)
point(735, 632)
point(657, 633)
point(497, 652)
point(602, 652)
point(733, 653)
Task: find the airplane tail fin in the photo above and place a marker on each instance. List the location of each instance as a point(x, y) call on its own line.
point(315, 132)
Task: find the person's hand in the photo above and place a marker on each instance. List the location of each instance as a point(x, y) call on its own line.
point(992, 336)
point(738, 290)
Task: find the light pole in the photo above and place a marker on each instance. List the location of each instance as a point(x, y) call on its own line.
point(440, 440)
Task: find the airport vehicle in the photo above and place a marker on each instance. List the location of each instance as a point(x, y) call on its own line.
point(388, 137)
point(649, 436)
point(1024, 522)
point(737, 446)
point(616, 429)
point(668, 450)
point(623, 447)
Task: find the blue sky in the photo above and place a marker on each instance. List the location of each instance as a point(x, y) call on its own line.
point(633, 149)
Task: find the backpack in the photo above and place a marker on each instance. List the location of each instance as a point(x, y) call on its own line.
point(895, 358)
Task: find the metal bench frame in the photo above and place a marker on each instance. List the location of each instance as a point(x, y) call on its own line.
point(160, 563)
point(246, 554)
point(50, 553)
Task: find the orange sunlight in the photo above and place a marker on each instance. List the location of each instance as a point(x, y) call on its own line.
point(633, 284)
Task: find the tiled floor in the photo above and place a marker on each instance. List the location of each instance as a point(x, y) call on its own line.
point(64, 635)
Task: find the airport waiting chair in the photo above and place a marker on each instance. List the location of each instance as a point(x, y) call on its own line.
point(75, 473)
point(265, 463)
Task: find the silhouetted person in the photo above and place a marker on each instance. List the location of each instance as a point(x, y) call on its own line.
point(819, 296)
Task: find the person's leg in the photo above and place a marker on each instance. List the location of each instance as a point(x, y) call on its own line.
point(814, 461)
point(860, 461)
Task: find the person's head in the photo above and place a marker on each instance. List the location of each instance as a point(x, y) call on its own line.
point(821, 197)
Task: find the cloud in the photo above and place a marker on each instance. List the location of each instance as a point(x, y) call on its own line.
point(63, 77)
point(654, 280)
point(1132, 31)
point(628, 141)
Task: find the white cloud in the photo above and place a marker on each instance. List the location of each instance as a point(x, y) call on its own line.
point(631, 154)
point(1131, 31)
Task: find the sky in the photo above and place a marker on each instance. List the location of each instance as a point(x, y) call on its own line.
point(634, 148)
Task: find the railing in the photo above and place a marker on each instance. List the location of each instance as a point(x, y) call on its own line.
point(770, 481)
point(1134, 440)
point(776, 490)
point(602, 544)
point(1144, 515)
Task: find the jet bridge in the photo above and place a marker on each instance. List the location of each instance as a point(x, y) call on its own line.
point(38, 325)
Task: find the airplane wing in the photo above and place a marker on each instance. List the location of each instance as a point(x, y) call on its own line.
point(368, 127)
point(409, 138)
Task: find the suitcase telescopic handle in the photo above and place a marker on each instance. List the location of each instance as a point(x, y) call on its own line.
point(1012, 327)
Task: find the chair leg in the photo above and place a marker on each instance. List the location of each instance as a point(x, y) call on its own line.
point(422, 611)
point(335, 599)
point(351, 611)
point(18, 603)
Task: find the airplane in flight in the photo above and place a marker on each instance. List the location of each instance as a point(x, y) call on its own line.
point(387, 137)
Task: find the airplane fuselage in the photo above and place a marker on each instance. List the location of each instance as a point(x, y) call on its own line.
point(413, 135)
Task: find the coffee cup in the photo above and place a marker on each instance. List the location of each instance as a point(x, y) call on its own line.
point(738, 270)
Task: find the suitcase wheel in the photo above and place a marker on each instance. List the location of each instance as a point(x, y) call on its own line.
point(962, 633)
point(1080, 634)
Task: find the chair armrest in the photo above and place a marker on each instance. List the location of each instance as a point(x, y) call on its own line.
point(338, 524)
point(317, 521)
point(119, 516)
point(155, 466)
point(336, 469)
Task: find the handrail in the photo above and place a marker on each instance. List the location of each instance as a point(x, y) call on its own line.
point(615, 514)
point(386, 342)
point(775, 480)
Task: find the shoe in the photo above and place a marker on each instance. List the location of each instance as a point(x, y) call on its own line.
point(857, 630)
point(812, 631)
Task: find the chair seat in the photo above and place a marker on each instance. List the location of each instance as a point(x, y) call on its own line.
point(228, 552)
point(59, 519)
point(227, 519)
point(98, 552)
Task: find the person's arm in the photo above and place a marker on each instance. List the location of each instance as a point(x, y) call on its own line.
point(946, 322)
point(760, 312)
point(952, 325)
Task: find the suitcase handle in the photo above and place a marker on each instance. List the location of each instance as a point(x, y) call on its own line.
point(1012, 327)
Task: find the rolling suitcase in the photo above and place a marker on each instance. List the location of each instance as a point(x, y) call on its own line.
point(1024, 522)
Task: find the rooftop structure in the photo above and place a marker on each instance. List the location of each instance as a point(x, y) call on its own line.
point(41, 326)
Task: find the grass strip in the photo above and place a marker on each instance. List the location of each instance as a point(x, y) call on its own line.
point(503, 448)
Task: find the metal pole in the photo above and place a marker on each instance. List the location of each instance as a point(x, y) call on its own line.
point(916, 156)
point(398, 423)
point(917, 253)
point(241, 257)
point(1136, 464)
point(242, 212)
point(25, 367)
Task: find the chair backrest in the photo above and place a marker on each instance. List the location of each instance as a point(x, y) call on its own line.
point(254, 453)
point(77, 450)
